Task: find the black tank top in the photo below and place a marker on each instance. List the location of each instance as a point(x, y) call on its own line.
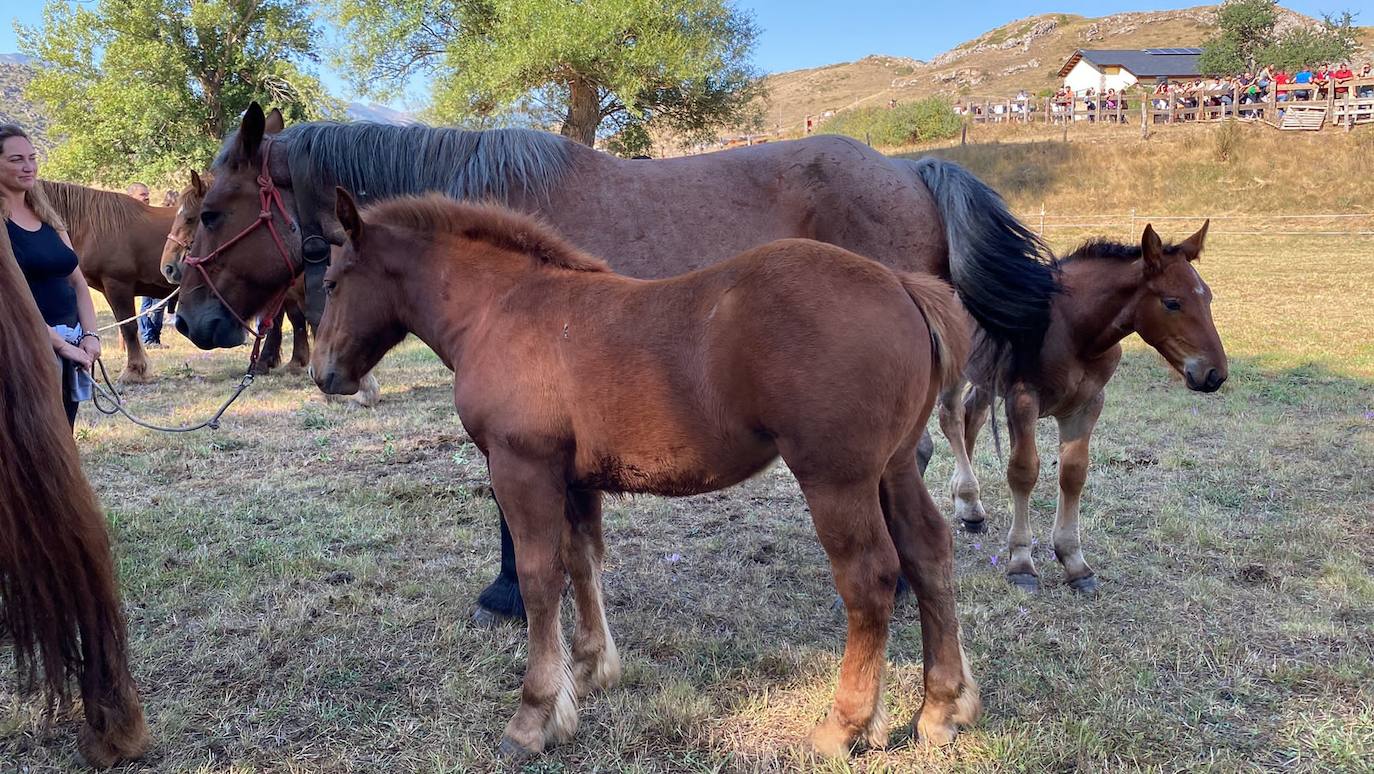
point(47, 262)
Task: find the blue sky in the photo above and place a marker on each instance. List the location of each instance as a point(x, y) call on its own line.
point(802, 33)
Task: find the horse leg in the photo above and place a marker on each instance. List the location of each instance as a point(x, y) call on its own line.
point(300, 340)
point(1075, 430)
point(849, 523)
point(1023, 469)
point(534, 498)
point(925, 546)
point(270, 356)
point(963, 485)
point(595, 660)
point(369, 392)
point(977, 409)
point(120, 295)
point(924, 451)
point(501, 600)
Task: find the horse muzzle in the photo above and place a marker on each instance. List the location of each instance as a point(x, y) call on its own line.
point(1201, 377)
point(209, 330)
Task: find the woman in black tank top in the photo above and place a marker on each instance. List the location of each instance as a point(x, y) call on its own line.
point(44, 254)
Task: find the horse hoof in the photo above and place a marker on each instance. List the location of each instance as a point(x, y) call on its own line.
point(490, 619)
point(1086, 585)
point(975, 527)
point(1025, 581)
point(134, 377)
point(512, 751)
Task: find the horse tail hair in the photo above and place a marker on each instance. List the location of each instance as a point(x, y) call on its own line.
point(58, 597)
point(1003, 272)
point(945, 317)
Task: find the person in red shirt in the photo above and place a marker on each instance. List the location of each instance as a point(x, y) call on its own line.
point(1342, 73)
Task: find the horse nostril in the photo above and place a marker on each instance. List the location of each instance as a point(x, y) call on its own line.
point(1214, 378)
point(181, 324)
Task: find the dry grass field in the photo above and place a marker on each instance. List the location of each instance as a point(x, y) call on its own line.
point(299, 583)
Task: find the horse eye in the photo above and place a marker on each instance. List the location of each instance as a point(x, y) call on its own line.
point(1172, 304)
point(210, 218)
point(329, 285)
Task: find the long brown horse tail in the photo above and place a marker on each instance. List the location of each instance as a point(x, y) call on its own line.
point(948, 322)
point(57, 576)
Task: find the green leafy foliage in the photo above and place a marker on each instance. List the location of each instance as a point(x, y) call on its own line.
point(598, 67)
point(143, 89)
point(1247, 40)
point(932, 118)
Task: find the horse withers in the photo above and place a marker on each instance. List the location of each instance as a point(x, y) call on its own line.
point(1110, 290)
point(575, 381)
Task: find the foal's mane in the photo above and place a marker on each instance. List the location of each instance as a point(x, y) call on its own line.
point(379, 161)
point(1102, 249)
point(436, 215)
point(91, 210)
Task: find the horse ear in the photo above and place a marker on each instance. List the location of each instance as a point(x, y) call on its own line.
point(197, 184)
point(275, 122)
point(1192, 248)
point(1152, 250)
point(346, 210)
point(251, 129)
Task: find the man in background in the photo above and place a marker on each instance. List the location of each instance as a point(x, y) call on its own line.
point(149, 325)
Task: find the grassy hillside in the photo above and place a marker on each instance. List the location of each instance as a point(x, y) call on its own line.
point(1024, 54)
point(14, 107)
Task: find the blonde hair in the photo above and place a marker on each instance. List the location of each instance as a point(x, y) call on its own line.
point(35, 197)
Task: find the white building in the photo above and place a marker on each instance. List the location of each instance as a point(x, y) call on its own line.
point(1118, 69)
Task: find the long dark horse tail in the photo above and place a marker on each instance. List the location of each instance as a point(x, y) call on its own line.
point(57, 577)
point(1002, 271)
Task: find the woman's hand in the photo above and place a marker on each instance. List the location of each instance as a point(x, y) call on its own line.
point(76, 354)
point(90, 344)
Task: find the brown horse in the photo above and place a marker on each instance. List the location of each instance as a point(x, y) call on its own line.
point(574, 381)
point(58, 597)
point(119, 241)
point(179, 238)
point(1110, 291)
point(654, 218)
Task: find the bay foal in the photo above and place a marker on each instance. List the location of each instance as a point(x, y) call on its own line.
point(574, 381)
point(1110, 291)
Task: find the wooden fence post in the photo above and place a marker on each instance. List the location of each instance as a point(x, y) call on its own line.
point(1042, 218)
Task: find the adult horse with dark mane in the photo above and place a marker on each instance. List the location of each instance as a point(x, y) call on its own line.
point(1111, 290)
point(653, 218)
point(574, 381)
point(58, 598)
point(119, 241)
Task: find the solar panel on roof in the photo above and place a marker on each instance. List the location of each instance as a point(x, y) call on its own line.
point(1174, 51)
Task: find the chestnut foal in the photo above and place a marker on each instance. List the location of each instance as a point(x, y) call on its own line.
point(1109, 292)
point(574, 381)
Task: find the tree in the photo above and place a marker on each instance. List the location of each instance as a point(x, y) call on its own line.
point(1247, 28)
point(1248, 40)
point(609, 66)
point(147, 88)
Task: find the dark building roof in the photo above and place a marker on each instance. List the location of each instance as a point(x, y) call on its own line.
point(1147, 63)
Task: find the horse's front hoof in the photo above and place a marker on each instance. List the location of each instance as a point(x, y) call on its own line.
point(134, 376)
point(830, 741)
point(975, 527)
point(1087, 585)
point(485, 618)
point(1025, 581)
point(514, 752)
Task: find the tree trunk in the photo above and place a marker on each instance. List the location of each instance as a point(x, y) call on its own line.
point(584, 112)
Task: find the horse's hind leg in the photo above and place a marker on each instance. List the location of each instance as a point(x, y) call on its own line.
point(963, 485)
point(270, 355)
point(300, 339)
point(595, 661)
point(849, 523)
point(926, 548)
point(534, 499)
point(1075, 430)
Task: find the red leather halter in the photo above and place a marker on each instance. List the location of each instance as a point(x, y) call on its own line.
point(269, 197)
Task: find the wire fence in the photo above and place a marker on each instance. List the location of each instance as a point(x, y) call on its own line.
point(1336, 224)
